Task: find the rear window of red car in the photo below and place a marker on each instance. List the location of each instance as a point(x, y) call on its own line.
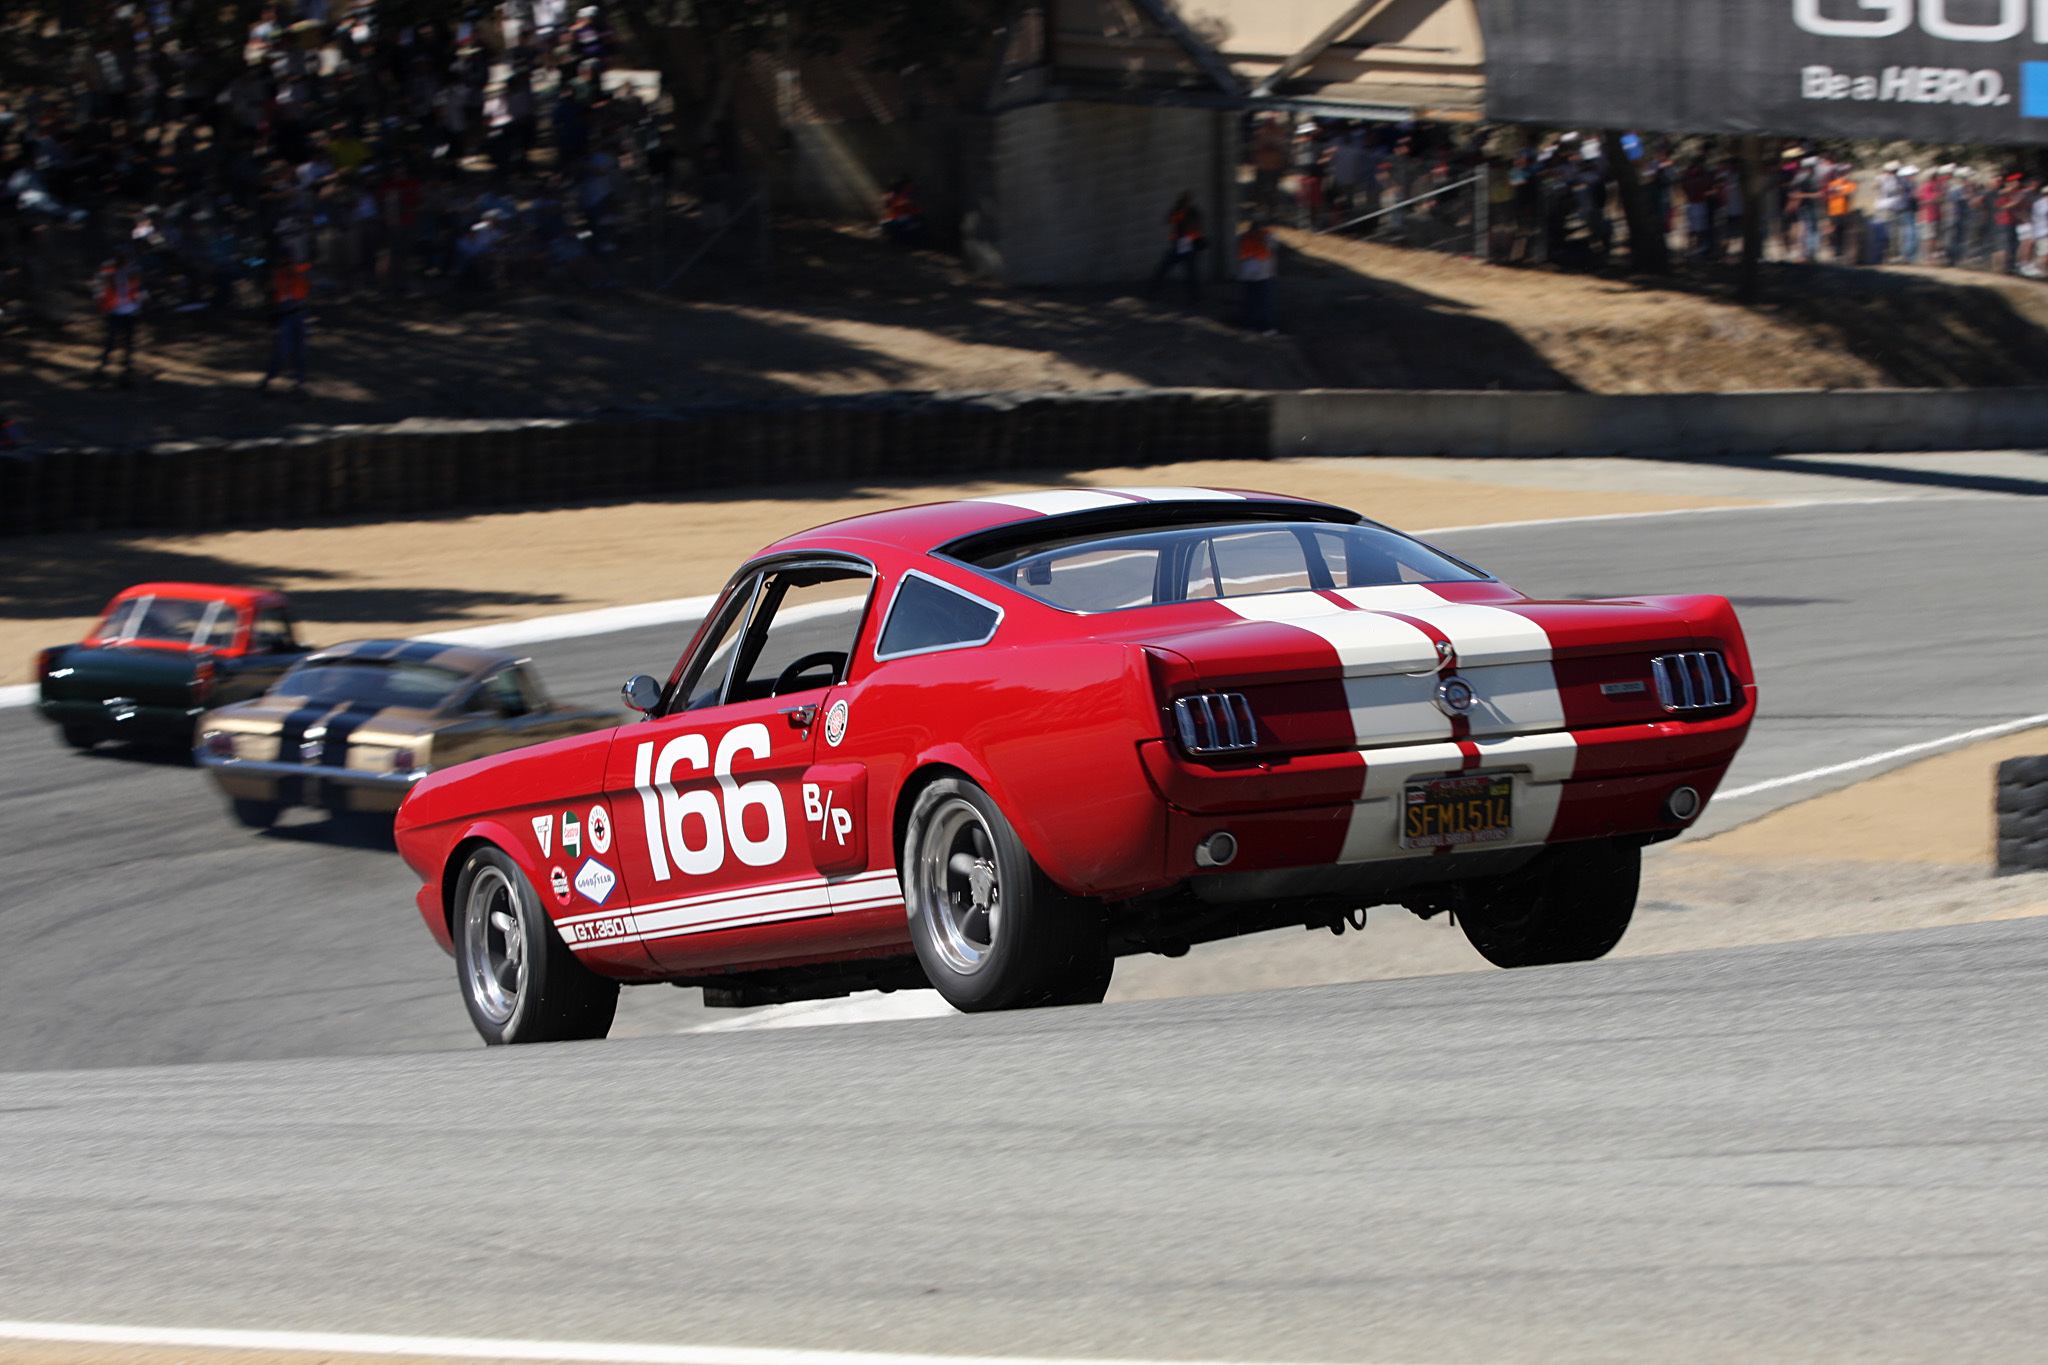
point(196, 622)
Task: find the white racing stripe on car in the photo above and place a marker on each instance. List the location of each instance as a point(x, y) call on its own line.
point(797, 898)
point(695, 914)
point(498, 1348)
point(1175, 494)
point(1057, 501)
point(1366, 642)
point(1390, 664)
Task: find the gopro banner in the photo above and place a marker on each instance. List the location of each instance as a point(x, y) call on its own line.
point(1927, 70)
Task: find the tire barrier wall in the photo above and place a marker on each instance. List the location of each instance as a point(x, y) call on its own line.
point(1674, 425)
point(443, 466)
point(426, 466)
point(2022, 815)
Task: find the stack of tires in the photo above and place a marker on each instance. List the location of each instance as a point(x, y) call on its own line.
point(2023, 815)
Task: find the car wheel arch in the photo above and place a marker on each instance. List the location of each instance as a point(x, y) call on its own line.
point(481, 834)
point(950, 762)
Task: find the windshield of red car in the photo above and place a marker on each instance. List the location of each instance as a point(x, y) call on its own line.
point(371, 682)
point(195, 622)
point(1114, 573)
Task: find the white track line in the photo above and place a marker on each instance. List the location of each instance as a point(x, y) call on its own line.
point(1946, 741)
point(489, 1348)
point(1695, 512)
point(575, 625)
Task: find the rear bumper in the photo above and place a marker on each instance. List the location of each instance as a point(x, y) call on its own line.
point(304, 784)
point(1345, 808)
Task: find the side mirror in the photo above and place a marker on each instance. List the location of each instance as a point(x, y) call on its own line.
point(642, 693)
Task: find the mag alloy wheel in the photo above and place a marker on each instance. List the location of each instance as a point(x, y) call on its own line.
point(520, 982)
point(958, 883)
point(494, 945)
point(991, 930)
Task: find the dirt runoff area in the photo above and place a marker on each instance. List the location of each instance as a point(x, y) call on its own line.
point(1910, 849)
point(413, 577)
point(847, 314)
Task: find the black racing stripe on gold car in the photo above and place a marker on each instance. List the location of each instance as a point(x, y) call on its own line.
point(334, 753)
point(291, 732)
point(426, 651)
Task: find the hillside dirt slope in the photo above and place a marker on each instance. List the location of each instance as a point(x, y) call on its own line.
point(846, 314)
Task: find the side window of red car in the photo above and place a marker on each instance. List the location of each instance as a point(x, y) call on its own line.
point(704, 683)
point(272, 633)
point(803, 631)
point(928, 616)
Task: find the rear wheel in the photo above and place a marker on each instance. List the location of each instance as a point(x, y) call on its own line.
point(520, 982)
point(1572, 905)
point(253, 813)
point(992, 930)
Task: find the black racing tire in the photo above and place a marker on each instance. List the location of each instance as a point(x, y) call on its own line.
point(255, 814)
point(992, 931)
point(519, 981)
point(1572, 904)
point(79, 737)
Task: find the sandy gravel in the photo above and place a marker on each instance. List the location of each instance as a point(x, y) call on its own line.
point(413, 576)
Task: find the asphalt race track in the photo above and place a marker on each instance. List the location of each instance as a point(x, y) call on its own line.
point(1824, 1151)
point(1828, 1152)
point(145, 927)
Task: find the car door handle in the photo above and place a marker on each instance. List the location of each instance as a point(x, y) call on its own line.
point(801, 717)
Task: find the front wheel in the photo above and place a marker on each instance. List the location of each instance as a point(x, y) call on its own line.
point(1571, 905)
point(992, 930)
point(520, 982)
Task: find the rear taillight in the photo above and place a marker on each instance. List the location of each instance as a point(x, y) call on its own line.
point(202, 681)
point(46, 663)
point(404, 761)
point(1697, 681)
point(1216, 723)
point(220, 744)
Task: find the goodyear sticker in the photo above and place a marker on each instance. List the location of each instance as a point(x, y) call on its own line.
point(595, 880)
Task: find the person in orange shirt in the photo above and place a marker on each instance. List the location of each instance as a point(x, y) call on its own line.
point(1258, 269)
point(1184, 247)
point(120, 295)
point(291, 287)
point(1841, 206)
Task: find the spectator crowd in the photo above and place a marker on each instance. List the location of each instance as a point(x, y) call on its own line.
point(386, 159)
point(1558, 201)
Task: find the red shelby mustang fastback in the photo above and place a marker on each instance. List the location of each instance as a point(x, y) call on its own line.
point(992, 745)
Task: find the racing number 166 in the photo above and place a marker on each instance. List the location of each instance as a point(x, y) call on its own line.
point(723, 814)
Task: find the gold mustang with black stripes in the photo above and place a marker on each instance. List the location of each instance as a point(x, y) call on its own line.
point(352, 728)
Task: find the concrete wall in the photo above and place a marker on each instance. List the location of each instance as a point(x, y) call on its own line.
point(1373, 422)
point(425, 466)
point(1078, 192)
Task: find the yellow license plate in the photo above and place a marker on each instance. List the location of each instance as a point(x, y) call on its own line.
point(1472, 808)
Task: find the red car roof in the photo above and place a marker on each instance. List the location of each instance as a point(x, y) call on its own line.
point(923, 528)
point(239, 598)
